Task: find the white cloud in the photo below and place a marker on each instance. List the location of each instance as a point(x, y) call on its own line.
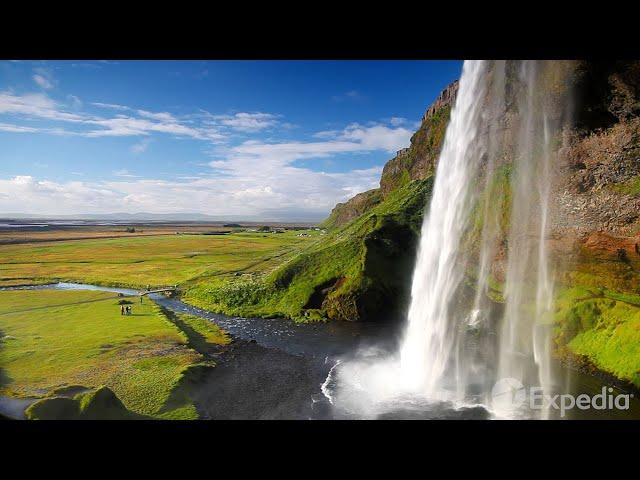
point(7, 127)
point(327, 134)
point(124, 173)
point(112, 106)
point(40, 106)
point(378, 137)
point(44, 78)
point(74, 102)
point(42, 81)
point(26, 194)
point(256, 177)
point(274, 194)
point(162, 116)
point(248, 122)
point(141, 146)
point(35, 105)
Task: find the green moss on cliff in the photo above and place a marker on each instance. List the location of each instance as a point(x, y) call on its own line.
point(630, 187)
point(602, 326)
point(419, 160)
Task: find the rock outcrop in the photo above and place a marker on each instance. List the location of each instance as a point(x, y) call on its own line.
point(343, 213)
point(416, 162)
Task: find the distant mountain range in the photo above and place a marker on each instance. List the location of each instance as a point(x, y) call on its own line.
point(163, 217)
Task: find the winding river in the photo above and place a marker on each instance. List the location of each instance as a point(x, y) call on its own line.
point(277, 369)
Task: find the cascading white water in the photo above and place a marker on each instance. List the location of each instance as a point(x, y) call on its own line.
point(429, 339)
point(482, 291)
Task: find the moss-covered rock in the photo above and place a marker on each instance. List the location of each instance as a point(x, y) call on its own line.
point(53, 408)
point(100, 404)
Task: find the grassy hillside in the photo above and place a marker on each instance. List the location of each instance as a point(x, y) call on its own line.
point(356, 271)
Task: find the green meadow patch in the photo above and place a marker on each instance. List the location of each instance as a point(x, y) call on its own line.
point(52, 339)
point(139, 261)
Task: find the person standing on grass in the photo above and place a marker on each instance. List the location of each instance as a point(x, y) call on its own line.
point(121, 309)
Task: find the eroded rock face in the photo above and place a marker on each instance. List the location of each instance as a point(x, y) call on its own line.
point(597, 184)
point(343, 213)
point(446, 99)
point(418, 161)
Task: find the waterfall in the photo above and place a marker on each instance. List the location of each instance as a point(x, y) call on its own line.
point(506, 122)
point(439, 269)
point(482, 288)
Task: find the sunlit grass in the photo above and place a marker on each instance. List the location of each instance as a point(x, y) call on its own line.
point(137, 262)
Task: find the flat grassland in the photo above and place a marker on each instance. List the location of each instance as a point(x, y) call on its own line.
point(52, 339)
point(135, 262)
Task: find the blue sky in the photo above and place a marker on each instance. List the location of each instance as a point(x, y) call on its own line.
point(273, 140)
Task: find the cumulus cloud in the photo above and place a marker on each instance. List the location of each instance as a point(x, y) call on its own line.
point(378, 137)
point(269, 195)
point(25, 193)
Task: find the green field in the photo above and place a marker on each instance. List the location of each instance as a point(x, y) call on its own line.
point(53, 339)
point(140, 261)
